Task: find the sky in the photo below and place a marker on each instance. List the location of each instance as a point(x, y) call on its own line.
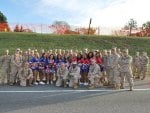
point(105, 13)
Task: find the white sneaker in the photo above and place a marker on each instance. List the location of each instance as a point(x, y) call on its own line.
point(81, 83)
point(67, 83)
point(35, 83)
point(85, 84)
point(47, 83)
point(41, 83)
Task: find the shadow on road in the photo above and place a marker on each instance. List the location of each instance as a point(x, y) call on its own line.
point(16, 101)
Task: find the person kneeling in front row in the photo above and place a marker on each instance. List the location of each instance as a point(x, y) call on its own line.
point(62, 74)
point(74, 75)
point(94, 74)
point(25, 75)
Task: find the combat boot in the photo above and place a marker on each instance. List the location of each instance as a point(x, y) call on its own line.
point(65, 85)
point(122, 86)
point(30, 82)
point(137, 77)
point(143, 78)
point(27, 82)
point(116, 86)
point(75, 86)
point(131, 88)
point(91, 87)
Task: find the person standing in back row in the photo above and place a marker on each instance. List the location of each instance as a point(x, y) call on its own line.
point(114, 74)
point(144, 61)
point(16, 61)
point(5, 62)
point(136, 65)
point(125, 63)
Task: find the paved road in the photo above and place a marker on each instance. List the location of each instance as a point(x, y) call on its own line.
point(50, 99)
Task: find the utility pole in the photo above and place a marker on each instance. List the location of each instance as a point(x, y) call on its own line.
point(41, 28)
point(98, 30)
point(89, 25)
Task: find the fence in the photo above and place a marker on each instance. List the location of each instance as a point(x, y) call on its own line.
point(49, 28)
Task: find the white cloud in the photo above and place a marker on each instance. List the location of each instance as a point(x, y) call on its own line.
point(105, 13)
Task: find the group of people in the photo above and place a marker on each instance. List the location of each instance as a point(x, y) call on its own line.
point(70, 68)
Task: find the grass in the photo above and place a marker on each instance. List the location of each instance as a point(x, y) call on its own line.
point(24, 41)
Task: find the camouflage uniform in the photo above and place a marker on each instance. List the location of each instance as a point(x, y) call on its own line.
point(62, 76)
point(74, 76)
point(114, 74)
point(94, 75)
point(107, 63)
point(26, 58)
point(16, 61)
point(136, 65)
point(144, 61)
point(104, 63)
point(25, 75)
point(5, 62)
point(125, 63)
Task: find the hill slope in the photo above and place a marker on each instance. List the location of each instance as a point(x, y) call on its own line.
point(47, 41)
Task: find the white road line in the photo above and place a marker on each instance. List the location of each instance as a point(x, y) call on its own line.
point(57, 91)
point(57, 94)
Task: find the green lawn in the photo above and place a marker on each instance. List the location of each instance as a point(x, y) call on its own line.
point(48, 41)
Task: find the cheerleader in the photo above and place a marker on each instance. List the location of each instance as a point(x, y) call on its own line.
point(90, 55)
point(84, 69)
point(59, 60)
point(50, 69)
point(34, 66)
point(99, 60)
point(42, 68)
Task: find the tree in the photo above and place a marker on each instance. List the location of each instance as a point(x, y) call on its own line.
point(3, 18)
point(60, 27)
point(4, 27)
point(61, 23)
point(146, 25)
point(130, 25)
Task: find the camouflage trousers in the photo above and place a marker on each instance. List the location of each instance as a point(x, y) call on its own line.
point(128, 76)
point(23, 80)
point(143, 70)
point(94, 80)
point(14, 77)
point(114, 77)
point(60, 81)
point(5, 74)
point(136, 71)
point(73, 80)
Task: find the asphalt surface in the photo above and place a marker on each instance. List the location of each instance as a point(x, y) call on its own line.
point(51, 99)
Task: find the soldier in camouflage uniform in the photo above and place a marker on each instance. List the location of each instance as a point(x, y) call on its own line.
point(106, 71)
point(144, 61)
point(94, 74)
point(26, 57)
point(125, 63)
point(25, 75)
point(136, 65)
point(74, 75)
point(107, 63)
point(5, 62)
point(62, 74)
point(16, 63)
point(114, 74)
point(119, 52)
